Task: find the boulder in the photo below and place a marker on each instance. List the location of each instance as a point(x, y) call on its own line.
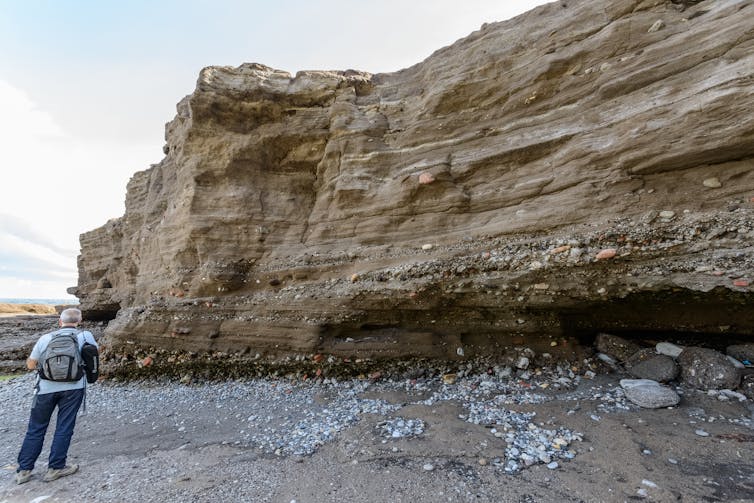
point(747, 386)
point(640, 356)
point(669, 349)
point(617, 347)
point(736, 363)
point(705, 369)
point(741, 352)
point(661, 368)
point(649, 394)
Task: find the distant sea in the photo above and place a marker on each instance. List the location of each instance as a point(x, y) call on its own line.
point(52, 302)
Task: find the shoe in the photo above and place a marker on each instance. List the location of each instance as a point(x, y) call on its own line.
point(55, 474)
point(23, 476)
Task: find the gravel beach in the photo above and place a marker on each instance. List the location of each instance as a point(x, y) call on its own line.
point(479, 437)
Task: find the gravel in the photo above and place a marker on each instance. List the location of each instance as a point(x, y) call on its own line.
point(284, 418)
point(241, 440)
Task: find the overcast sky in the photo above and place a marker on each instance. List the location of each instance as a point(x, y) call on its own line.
point(87, 86)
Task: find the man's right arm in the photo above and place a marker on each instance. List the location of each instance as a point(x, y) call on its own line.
point(31, 362)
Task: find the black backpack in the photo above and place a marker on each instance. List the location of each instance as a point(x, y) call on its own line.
point(61, 360)
point(90, 355)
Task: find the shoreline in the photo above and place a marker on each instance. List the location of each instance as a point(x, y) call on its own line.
point(31, 308)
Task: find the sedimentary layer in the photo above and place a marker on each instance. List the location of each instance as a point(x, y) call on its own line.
point(585, 166)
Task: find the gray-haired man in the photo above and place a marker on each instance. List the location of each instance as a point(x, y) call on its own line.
point(66, 396)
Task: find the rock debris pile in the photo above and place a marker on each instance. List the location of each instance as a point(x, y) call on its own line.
point(727, 376)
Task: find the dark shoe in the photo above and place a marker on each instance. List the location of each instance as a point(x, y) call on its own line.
point(55, 474)
point(23, 476)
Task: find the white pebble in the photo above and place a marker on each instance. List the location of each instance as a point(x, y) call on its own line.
point(667, 214)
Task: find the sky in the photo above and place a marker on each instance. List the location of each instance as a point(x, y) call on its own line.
point(86, 87)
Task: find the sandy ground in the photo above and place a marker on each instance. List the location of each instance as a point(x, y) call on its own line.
point(166, 441)
point(626, 455)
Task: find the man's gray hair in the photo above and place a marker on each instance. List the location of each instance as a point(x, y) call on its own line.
point(71, 315)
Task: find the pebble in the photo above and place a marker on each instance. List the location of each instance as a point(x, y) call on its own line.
point(428, 467)
point(553, 465)
point(667, 214)
point(449, 378)
point(427, 247)
point(702, 433)
point(426, 178)
point(656, 26)
point(607, 253)
point(712, 183)
point(560, 249)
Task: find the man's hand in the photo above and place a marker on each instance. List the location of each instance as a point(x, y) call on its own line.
point(31, 364)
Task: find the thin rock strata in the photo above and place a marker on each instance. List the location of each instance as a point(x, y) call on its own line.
point(543, 177)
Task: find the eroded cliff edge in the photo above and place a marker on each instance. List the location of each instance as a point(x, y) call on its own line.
point(455, 207)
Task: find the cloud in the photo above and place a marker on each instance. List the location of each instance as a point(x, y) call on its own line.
point(56, 187)
point(31, 270)
point(21, 229)
point(29, 124)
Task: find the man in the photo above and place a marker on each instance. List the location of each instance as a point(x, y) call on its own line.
point(66, 396)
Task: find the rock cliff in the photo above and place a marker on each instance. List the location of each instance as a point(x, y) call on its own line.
point(586, 166)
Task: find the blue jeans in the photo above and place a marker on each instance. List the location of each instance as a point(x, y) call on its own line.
point(68, 403)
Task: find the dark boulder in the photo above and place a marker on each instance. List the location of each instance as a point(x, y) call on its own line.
point(617, 347)
point(660, 368)
point(706, 369)
point(741, 352)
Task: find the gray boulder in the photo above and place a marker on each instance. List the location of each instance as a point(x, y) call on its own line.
point(649, 394)
point(659, 368)
point(741, 352)
point(706, 369)
point(617, 347)
point(747, 386)
point(669, 349)
point(735, 362)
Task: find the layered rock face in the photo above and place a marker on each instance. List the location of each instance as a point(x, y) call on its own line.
point(585, 166)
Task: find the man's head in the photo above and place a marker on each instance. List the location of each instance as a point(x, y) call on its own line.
point(70, 317)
